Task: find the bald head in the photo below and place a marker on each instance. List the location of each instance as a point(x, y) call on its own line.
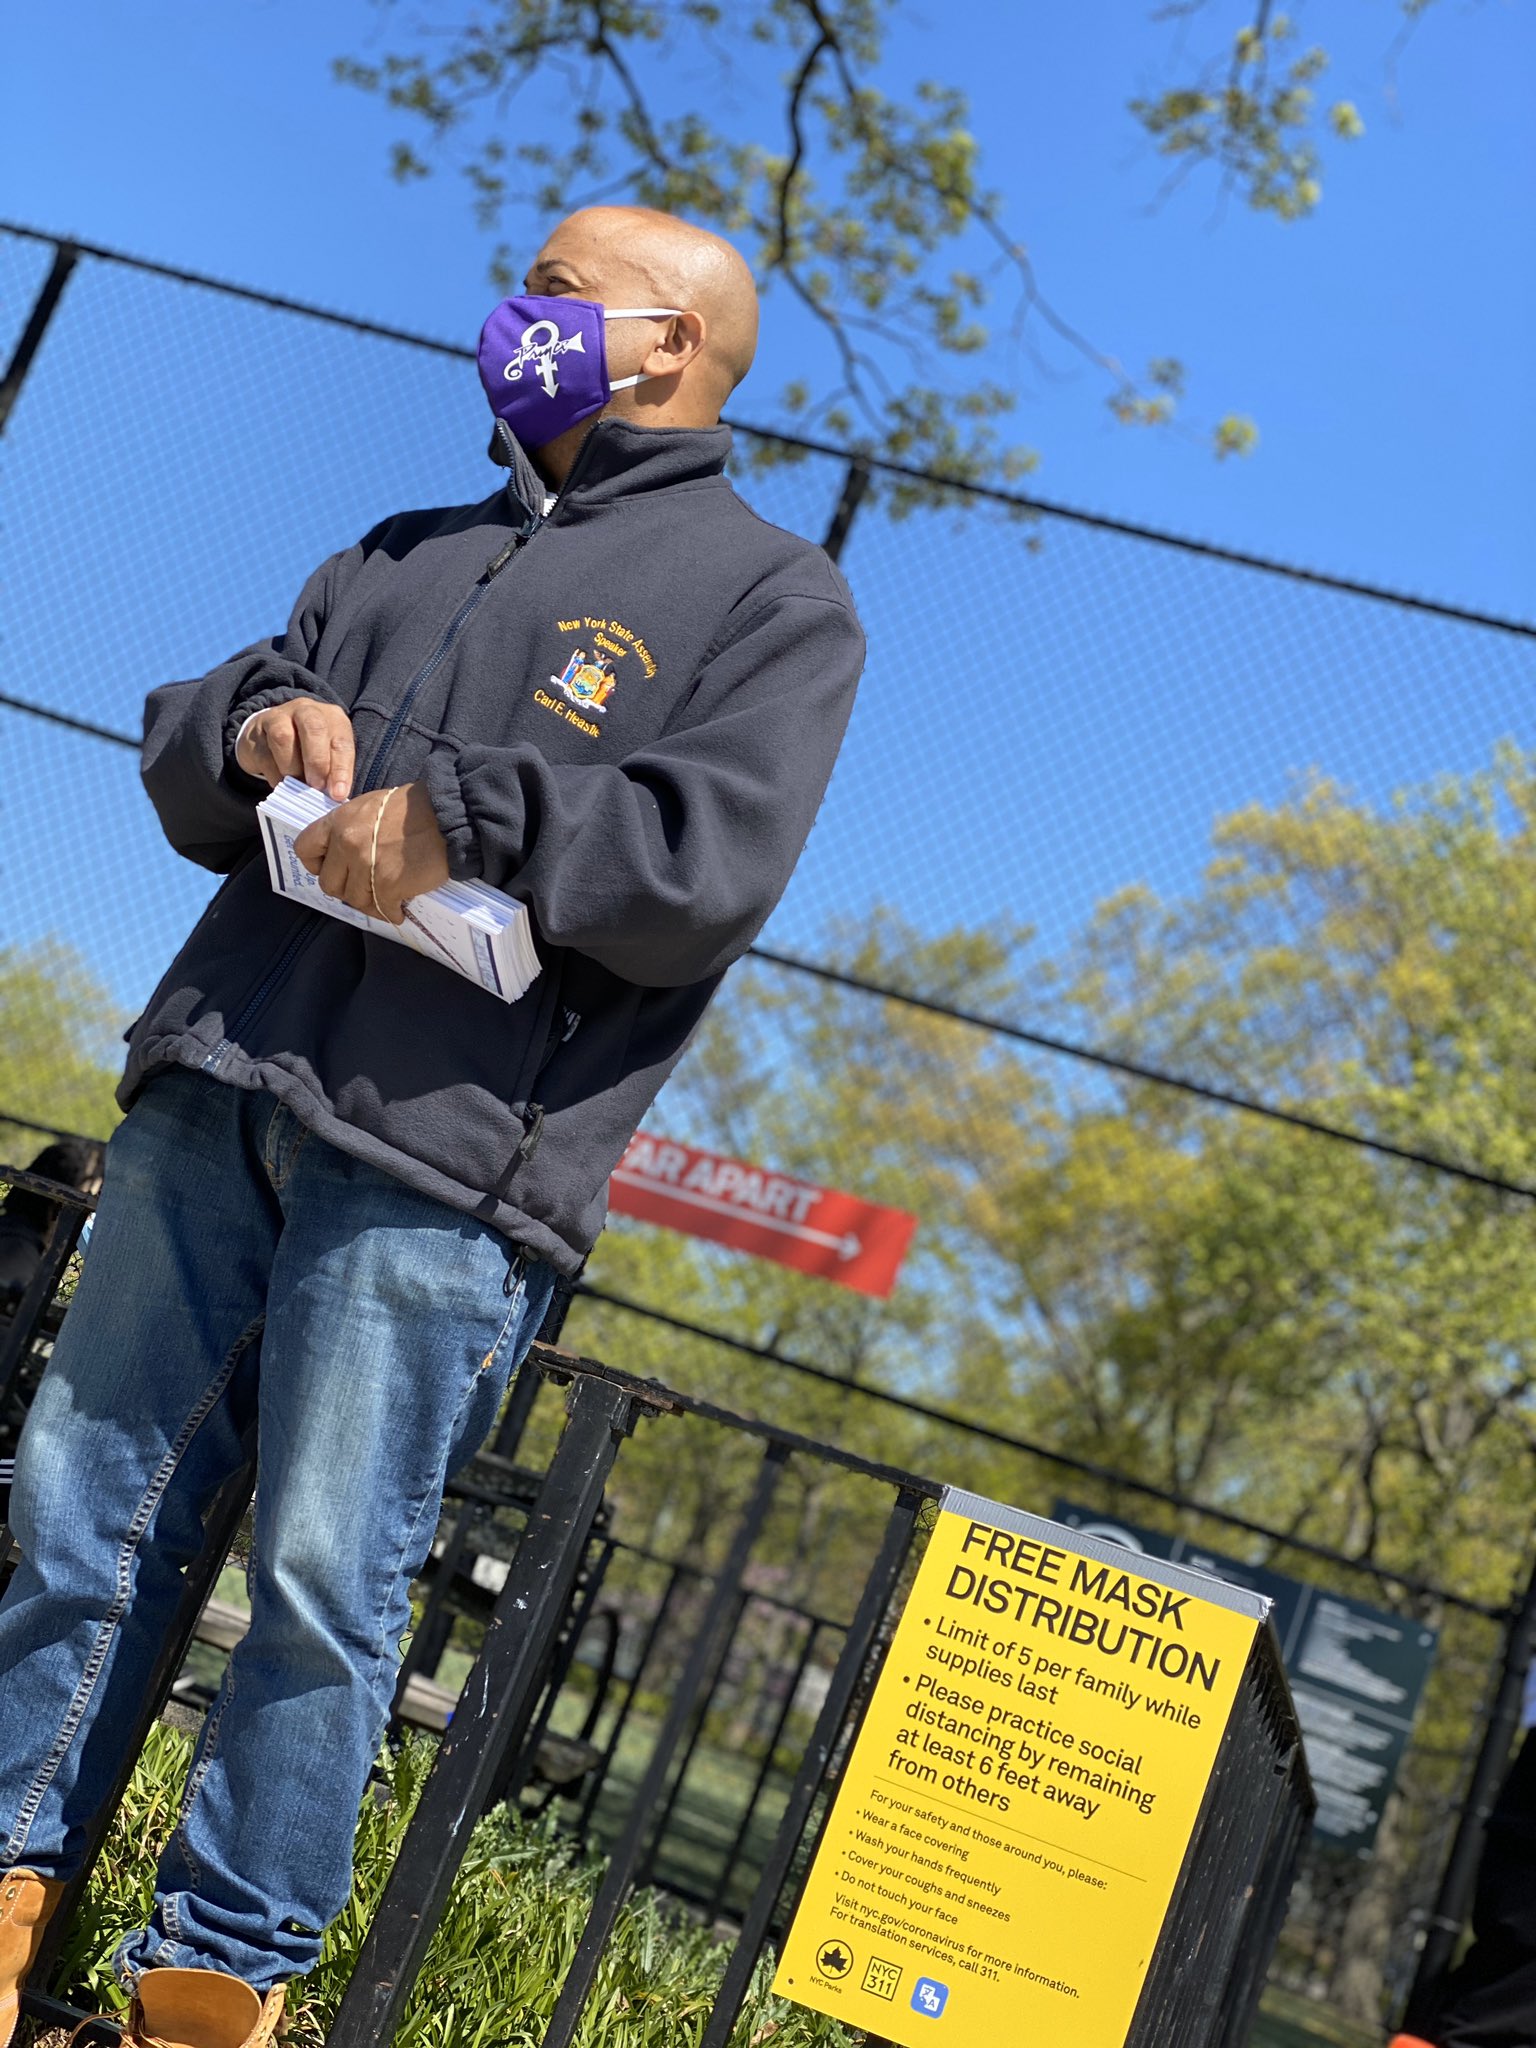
point(633, 256)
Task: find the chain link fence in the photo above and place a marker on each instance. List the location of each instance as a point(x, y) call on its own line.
point(1160, 945)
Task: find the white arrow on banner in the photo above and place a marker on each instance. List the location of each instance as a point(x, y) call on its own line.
point(847, 1247)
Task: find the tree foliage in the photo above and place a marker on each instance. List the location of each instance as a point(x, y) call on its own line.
point(870, 210)
point(1313, 1334)
point(768, 120)
point(58, 1047)
point(1118, 1269)
point(1255, 107)
point(1368, 967)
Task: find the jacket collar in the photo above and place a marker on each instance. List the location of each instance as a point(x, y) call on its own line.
point(617, 460)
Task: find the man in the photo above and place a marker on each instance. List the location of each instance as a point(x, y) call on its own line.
point(347, 1179)
point(1489, 1999)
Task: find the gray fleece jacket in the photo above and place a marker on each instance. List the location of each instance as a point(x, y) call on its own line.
point(625, 714)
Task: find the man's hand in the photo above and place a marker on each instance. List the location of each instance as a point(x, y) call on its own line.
point(378, 851)
point(307, 739)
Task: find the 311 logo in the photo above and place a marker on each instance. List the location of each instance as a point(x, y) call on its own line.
point(881, 1979)
point(929, 1996)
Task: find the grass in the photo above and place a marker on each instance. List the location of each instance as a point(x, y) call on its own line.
point(512, 1924)
point(498, 1958)
point(506, 1940)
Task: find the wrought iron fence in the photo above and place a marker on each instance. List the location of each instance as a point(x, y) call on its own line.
point(1228, 1902)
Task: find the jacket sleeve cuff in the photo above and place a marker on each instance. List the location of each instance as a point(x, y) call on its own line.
point(240, 717)
point(466, 862)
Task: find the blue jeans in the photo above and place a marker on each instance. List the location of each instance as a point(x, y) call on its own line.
point(243, 1275)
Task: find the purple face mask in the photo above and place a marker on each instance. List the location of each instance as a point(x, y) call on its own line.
point(544, 362)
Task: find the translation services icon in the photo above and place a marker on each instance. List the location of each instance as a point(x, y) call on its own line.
point(929, 1996)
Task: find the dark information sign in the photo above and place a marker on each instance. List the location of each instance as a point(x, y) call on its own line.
point(1356, 1673)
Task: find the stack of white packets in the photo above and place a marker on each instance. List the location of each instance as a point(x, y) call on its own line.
point(468, 926)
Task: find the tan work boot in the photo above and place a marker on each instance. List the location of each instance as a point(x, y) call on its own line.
point(202, 2009)
point(26, 1903)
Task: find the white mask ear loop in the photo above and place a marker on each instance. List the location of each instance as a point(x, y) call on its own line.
point(637, 313)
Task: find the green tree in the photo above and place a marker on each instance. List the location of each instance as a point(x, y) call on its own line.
point(58, 1047)
point(1319, 1336)
point(912, 1112)
point(1124, 1271)
point(1368, 968)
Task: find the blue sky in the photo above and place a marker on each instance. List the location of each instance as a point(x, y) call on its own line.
point(1123, 700)
point(1381, 345)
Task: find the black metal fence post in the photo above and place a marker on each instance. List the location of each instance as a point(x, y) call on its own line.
point(646, 1871)
point(430, 1638)
point(517, 1765)
point(855, 484)
point(631, 1845)
point(494, 1712)
point(879, 1588)
point(1454, 1900)
point(65, 257)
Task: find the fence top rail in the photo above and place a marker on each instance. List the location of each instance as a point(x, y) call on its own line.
point(1002, 1027)
point(58, 1191)
point(560, 1365)
point(66, 719)
point(1018, 501)
point(1040, 1041)
point(1140, 1070)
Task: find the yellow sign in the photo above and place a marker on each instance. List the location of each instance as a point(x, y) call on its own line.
point(1014, 1814)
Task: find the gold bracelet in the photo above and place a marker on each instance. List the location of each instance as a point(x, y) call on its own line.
point(373, 852)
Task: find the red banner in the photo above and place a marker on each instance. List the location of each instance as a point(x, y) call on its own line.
point(815, 1230)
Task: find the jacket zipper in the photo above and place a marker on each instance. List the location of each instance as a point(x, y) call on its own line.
point(563, 1028)
point(439, 653)
point(295, 944)
point(552, 1019)
point(492, 569)
point(291, 949)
